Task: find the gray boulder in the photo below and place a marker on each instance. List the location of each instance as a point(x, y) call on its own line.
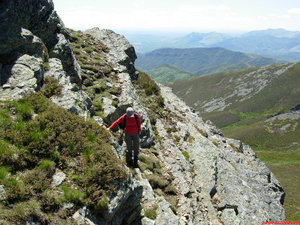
point(72, 98)
point(22, 77)
point(58, 178)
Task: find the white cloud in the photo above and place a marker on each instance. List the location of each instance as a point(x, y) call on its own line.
point(294, 11)
point(204, 8)
point(173, 17)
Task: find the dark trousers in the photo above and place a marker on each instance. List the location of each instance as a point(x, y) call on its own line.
point(133, 145)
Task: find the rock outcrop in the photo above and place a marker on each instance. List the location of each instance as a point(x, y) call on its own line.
point(121, 53)
point(32, 38)
point(212, 179)
point(222, 180)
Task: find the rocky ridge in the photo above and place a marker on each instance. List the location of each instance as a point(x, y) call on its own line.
point(245, 87)
point(215, 180)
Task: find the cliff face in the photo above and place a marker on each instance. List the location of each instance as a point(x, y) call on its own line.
point(189, 173)
point(33, 44)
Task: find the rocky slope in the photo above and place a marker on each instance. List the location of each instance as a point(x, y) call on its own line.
point(260, 107)
point(189, 173)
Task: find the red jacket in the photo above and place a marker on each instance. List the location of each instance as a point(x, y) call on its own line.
point(133, 126)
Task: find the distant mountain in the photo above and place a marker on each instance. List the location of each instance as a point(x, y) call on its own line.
point(280, 33)
point(275, 43)
point(197, 61)
point(148, 42)
point(200, 39)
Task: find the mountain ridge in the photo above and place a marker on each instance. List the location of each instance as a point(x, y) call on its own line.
point(199, 61)
point(274, 43)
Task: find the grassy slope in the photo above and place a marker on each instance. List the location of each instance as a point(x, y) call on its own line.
point(200, 60)
point(38, 137)
point(245, 121)
point(165, 74)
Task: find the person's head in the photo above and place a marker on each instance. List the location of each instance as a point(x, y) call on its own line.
point(130, 112)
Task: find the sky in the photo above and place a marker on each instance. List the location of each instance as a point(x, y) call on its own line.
point(180, 15)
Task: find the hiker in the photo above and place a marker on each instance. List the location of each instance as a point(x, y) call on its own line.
point(131, 123)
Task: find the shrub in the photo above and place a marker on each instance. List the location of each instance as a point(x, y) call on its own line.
point(51, 87)
point(149, 162)
point(23, 110)
point(46, 66)
point(37, 181)
point(46, 165)
point(102, 205)
point(151, 212)
point(23, 210)
point(146, 83)
point(157, 181)
point(50, 201)
point(72, 195)
point(20, 213)
point(3, 173)
point(31, 149)
point(15, 189)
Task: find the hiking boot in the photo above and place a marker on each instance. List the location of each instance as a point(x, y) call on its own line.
point(135, 165)
point(130, 164)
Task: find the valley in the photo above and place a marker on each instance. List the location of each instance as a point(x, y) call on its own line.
point(193, 62)
point(259, 106)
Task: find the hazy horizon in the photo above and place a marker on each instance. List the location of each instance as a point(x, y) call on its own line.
point(177, 16)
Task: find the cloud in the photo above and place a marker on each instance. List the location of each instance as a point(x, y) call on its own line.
point(204, 8)
point(294, 11)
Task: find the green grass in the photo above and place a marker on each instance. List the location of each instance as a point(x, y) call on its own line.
point(151, 212)
point(51, 87)
point(32, 147)
point(165, 74)
point(46, 165)
point(289, 177)
point(20, 212)
point(72, 195)
point(186, 155)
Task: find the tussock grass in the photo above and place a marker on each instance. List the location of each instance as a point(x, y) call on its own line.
point(96, 70)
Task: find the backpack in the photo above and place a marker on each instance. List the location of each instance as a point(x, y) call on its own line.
point(122, 125)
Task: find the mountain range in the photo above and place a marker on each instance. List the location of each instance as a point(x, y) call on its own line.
point(275, 43)
point(191, 62)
